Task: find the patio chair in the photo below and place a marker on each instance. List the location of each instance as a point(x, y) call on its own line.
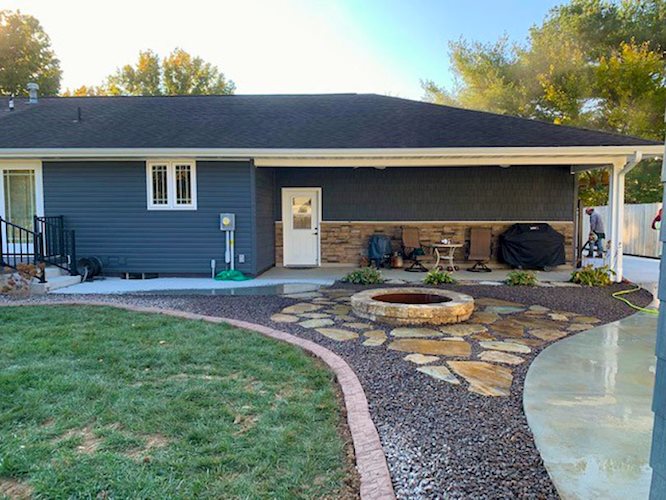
point(480, 249)
point(413, 250)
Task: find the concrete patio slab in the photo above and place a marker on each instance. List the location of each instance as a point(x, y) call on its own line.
point(639, 270)
point(588, 403)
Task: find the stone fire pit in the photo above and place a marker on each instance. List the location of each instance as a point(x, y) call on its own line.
point(412, 306)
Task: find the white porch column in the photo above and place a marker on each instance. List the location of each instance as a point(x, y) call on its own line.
point(615, 226)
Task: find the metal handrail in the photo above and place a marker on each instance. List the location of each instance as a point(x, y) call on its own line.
point(19, 245)
point(58, 244)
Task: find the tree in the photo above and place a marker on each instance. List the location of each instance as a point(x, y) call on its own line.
point(85, 90)
point(177, 74)
point(184, 74)
point(591, 63)
point(142, 79)
point(26, 56)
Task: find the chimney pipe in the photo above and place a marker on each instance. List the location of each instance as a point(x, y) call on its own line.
point(32, 93)
point(11, 102)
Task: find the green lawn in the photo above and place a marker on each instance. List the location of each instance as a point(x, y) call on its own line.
point(99, 402)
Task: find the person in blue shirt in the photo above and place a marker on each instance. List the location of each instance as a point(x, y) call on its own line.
point(597, 227)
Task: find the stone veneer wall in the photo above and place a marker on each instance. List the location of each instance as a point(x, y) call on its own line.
point(347, 242)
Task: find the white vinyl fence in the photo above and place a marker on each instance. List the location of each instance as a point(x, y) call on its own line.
point(639, 237)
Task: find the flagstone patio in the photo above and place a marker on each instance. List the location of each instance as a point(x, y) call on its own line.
point(477, 356)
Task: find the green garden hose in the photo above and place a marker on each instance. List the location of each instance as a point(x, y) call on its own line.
point(616, 295)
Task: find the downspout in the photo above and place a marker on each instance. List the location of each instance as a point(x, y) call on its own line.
point(618, 172)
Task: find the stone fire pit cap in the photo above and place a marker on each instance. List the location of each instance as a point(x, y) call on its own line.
point(458, 308)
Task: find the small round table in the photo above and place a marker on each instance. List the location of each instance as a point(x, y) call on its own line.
point(440, 248)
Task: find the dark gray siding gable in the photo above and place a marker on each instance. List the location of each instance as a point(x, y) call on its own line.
point(105, 203)
point(544, 193)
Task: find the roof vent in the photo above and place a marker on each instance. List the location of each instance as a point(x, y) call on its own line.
point(32, 93)
point(11, 102)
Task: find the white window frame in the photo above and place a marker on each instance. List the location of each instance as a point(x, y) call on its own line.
point(171, 184)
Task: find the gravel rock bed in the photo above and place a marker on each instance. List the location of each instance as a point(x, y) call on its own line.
point(440, 441)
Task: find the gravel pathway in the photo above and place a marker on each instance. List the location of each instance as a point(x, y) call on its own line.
point(440, 441)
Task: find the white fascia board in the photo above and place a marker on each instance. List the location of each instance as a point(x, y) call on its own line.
point(360, 154)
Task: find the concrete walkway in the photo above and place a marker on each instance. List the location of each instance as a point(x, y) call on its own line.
point(281, 275)
point(588, 403)
point(637, 269)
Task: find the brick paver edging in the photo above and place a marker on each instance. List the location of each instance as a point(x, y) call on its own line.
point(370, 459)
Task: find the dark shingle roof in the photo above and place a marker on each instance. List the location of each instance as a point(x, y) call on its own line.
point(277, 121)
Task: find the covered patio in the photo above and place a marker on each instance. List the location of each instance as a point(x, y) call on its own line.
point(443, 192)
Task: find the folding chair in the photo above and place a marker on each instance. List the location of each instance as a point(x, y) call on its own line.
point(412, 249)
point(480, 249)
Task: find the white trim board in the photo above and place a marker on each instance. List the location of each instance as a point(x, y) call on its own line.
point(587, 155)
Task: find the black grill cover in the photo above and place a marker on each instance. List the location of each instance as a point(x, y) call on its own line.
point(532, 246)
point(379, 249)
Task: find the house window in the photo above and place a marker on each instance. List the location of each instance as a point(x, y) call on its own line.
point(172, 185)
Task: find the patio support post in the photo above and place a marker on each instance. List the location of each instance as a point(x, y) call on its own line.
point(618, 171)
point(615, 214)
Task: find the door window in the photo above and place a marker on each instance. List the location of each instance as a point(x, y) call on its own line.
point(301, 212)
point(19, 191)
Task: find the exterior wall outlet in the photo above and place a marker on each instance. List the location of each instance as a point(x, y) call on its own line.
point(241, 258)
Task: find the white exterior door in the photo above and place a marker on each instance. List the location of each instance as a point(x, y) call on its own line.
point(21, 199)
point(301, 217)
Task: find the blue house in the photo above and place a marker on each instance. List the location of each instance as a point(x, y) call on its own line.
point(142, 180)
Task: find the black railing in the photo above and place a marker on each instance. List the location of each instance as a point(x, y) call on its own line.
point(20, 246)
point(58, 245)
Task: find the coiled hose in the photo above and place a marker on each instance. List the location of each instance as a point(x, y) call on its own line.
point(617, 295)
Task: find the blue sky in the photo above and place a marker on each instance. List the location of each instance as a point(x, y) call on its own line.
point(289, 46)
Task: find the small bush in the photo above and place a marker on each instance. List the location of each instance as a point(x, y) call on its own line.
point(19, 280)
point(521, 278)
point(437, 277)
point(592, 276)
point(364, 276)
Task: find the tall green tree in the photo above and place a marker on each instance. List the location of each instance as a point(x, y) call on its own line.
point(142, 78)
point(591, 63)
point(177, 74)
point(26, 55)
point(184, 74)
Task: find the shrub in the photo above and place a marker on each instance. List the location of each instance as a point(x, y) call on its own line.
point(592, 276)
point(364, 276)
point(437, 277)
point(521, 278)
point(19, 280)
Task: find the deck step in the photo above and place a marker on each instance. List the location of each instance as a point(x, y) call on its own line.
point(54, 283)
point(54, 272)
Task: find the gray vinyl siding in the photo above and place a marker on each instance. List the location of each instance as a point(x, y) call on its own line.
point(264, 207)
point(544, 193)
point(105, 203)
point(658, 452)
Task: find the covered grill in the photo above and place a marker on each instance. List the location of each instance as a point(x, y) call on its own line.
point(532, 246)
